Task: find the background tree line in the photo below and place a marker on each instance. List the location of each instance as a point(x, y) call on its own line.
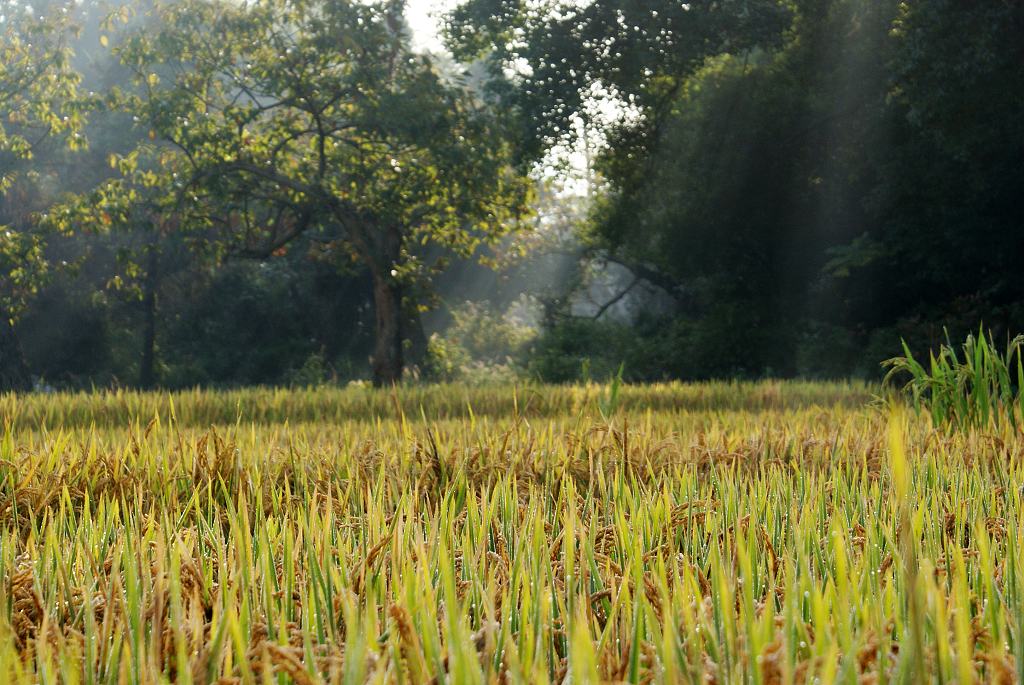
point(202, 192)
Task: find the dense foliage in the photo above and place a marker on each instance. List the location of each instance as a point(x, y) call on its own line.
point(38, 99)
point(202, 192)
point(811, 180)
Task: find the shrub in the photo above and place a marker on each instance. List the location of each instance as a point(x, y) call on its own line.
point(480, 345)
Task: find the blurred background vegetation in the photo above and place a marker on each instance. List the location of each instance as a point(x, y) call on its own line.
point(728, 189)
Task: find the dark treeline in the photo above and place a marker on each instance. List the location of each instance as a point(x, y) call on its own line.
point(285, 192)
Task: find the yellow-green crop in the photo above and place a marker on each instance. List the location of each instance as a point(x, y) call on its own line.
point(722, 533)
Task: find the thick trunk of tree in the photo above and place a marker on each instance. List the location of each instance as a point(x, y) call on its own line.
point(147, 363)
point(14, 373)
point(388, 361)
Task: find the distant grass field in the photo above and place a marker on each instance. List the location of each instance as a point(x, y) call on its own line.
point(709, 533)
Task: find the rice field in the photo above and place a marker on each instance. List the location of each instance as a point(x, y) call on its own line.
point(712, 533)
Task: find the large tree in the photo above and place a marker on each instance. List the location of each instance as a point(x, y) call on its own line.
point(313, 120)
point(38, 102)
point(551, 61)
point(761, 166)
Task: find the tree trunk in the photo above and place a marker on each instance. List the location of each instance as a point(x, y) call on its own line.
point(387, 303)
point(14, 373)
point(147, 364)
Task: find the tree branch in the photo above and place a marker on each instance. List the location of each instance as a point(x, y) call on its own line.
point(622, 293)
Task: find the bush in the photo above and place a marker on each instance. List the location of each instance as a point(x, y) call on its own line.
point(652, 349)
point(314, 372)
point(480, 346)
point(578, 347)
